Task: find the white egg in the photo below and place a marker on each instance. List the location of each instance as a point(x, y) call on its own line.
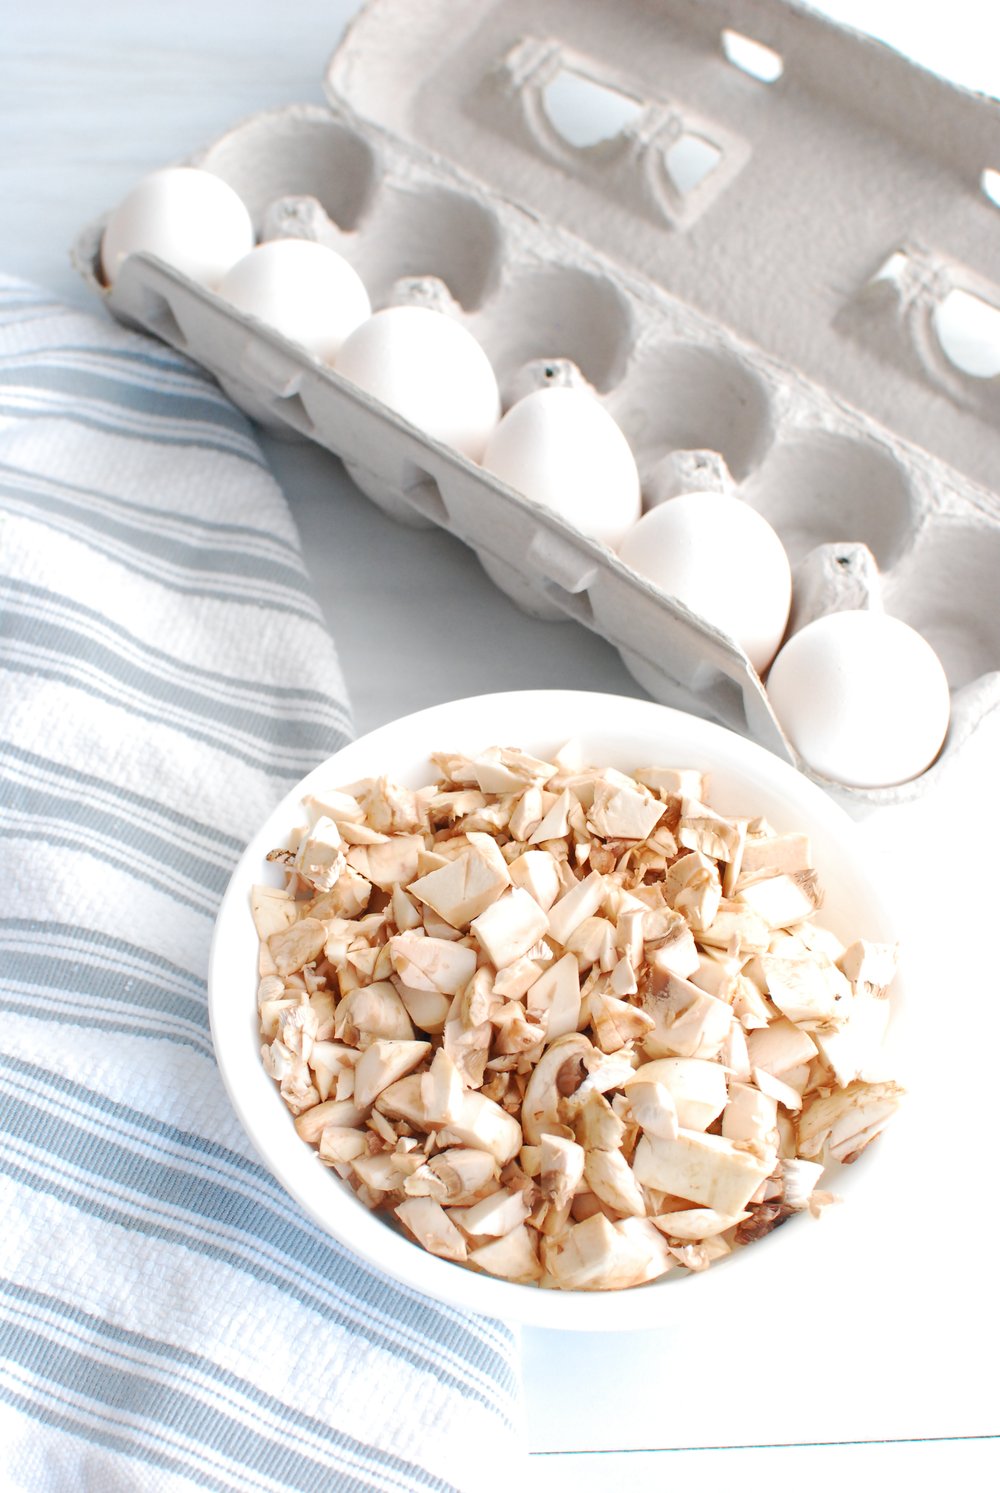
point(562, 449)
point(189, 218)
point(428, 368)
point(723, 560)
point(862, 697)
point(303, 289)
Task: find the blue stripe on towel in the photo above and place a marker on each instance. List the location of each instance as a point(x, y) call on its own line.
point(166, 1310)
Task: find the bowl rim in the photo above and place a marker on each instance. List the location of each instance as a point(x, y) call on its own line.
point(540, 717)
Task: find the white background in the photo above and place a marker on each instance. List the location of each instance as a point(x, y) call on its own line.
point(897, 1344)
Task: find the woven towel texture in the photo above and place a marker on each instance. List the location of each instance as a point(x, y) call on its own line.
point(168, 1318)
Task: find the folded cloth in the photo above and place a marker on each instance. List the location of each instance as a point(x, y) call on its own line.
point(168, 1317)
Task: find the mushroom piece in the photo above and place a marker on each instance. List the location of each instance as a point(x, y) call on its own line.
point(695, 1224)
point(270, 1012)
point(508, 770)
point(329, 1061)
point(652, 1108)
point(697, 1087)
point(560, 1168)
point(342, 808)
point(536, 872)
point(513, 1257)
point(701, 828)
point(430, 1226)
point(382, 1171)
point(799, 1179)
point(514, 1032)
point(750, 1116)
point(692, 887)
point(854, 1049)
point(427, 1009)
point(312, 1122)
point(782, 900)
point(687, 1022)
point(706, 1169)
point(623, 980)
point(717, 974)
point(605, 1071)
point(738, 929)
point(320, 857)
point(582, 901)
point(623, 812)
point(463, 888)
point(509, 927)
point(593, 942)
point(615, 1022)
point(609, 1177)
point(676, 782)
point(382, 1064)
point(669, 943)
point(469, 1048)
point(442, 1090)
point(513, 982)
point(273, 910)
point(600, 1255)
point(391, 862)
point(301, 943)
point(870, 967)
point(482, 1124)
point(554, 823)
point(431, 963)
point(775, 854)
point(780, 1046)
point(372, 1011)
point(464, 1173)
point(348, 897)
point(777, 1089)
point(404, 1100)
point(554, 998)
point(557, 1073)
point(594, 1122)
point(810, 992)
point(492, 1216)
point(750, 1005)
point(341, 1143)
point(734, 1055)
point(845, 1121)
point(700, 1256)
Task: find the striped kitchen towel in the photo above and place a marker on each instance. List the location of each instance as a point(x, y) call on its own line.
point(168, 1318)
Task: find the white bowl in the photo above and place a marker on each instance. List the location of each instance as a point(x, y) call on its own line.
point(628, 734)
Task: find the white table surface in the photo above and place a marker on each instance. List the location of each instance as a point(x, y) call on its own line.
point(885, 1366)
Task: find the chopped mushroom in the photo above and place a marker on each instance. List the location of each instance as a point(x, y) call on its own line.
point(697, 1087)
point(431, 963)
point(845, 1122)
point(870, 967)
point(573, 1026)
point(492, 1216)
point(463, 888)
point(707, 1169)
point(430, 1226)
point(510, 927)
point(560, 1168)
point(512, 1257)
point(610, 1178)
point(381, 1064)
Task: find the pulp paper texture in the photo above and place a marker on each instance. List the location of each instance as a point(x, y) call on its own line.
point(748, 271)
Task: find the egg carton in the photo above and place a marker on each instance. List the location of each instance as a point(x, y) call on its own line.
point(740, 224)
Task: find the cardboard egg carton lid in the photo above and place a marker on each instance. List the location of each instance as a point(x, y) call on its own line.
point(740, 220)
point(842, 200)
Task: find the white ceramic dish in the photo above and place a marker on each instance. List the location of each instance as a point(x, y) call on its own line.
point(627, 734)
